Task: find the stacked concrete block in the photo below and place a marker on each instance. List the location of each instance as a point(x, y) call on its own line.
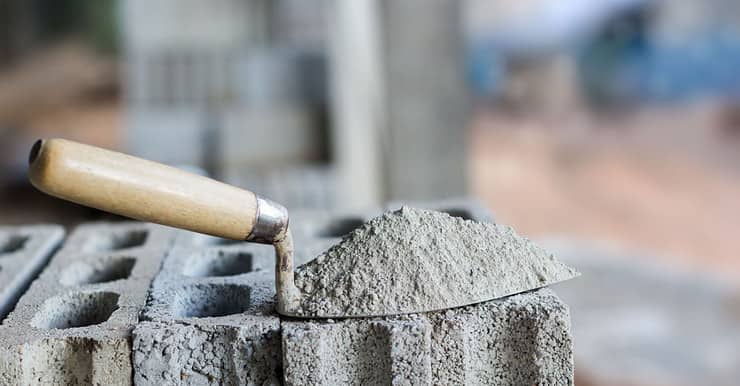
point(464, 207)
point(134, 302)
point(24, 250)
point(73, 325)
point(522, 339)
point(210, 317)
point(519, 340)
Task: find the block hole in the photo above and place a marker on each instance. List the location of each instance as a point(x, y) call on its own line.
point(12, 244)
point(224, 242)
point(103, 270)
point(215, 241)
point(210, 300)
point(220, 263)
point(117, 241)
point(77, 309)
point(342, 226)
point(460, 213)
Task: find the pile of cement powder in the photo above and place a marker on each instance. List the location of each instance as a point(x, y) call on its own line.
point(415, 260)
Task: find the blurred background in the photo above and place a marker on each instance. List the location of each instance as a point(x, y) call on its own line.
point(609, 130)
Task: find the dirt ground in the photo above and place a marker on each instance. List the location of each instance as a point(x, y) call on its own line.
point(664, 182)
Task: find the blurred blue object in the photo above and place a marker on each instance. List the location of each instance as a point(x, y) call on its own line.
point(622, 57)
point(700, 66)
point(500, 31)
point(485, 70)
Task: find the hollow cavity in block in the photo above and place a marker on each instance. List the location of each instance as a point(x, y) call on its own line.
point(117, 241)
point(78, 309)
point(458, 212)
point(220, 263)
point(224, 242)
point(205, 240)
point(342, 226)
point(210, 300)
point(12, 243)
point(103, 270)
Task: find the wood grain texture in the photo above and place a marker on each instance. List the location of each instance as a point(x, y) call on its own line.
point(141, 189)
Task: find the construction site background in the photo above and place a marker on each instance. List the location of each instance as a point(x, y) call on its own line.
point(609, 130)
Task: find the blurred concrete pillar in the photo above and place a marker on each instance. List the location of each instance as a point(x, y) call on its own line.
point(427, 99)
point(356, 101)
point(400, 102)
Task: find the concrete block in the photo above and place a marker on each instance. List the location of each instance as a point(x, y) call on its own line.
point(464, 207)
point(24, 250)
point(134, 302)
point(210, 317)
point(520, 340)
point(73, 325)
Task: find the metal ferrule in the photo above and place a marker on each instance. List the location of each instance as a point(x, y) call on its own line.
point(271, 224)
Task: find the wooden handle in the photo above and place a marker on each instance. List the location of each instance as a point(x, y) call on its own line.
point(142, 189)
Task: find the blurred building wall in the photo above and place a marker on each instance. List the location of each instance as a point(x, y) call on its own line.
point(239, 85)
point(207, 76)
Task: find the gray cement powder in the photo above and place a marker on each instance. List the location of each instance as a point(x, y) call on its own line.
point(414, 260)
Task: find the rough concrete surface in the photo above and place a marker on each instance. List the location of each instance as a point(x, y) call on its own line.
point(519, 340)
point(210, 317)
point(73, 325)
point(24, 250)
point(414, 260)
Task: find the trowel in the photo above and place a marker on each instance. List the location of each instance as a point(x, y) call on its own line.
point(149, 191)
